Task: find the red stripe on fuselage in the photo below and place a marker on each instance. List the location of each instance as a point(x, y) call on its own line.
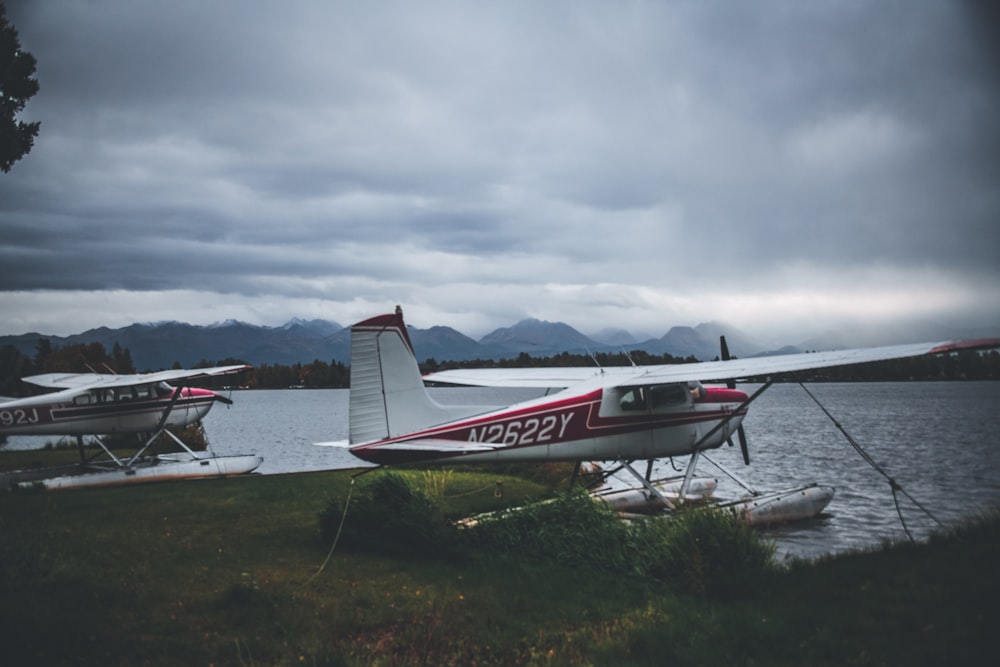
point(70, 412)
point(565, 421)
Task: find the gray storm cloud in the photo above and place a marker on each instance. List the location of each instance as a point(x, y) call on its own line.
point(683, 161)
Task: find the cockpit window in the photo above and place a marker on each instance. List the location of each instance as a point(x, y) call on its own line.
point(633, 400)
point(667, 395)
point(650, 398)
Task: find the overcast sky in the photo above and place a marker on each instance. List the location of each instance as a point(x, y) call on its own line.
point(785, 167)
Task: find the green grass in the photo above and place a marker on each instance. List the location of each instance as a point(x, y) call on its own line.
point(222, 572)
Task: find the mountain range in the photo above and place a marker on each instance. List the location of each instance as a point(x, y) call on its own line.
point(163, 344)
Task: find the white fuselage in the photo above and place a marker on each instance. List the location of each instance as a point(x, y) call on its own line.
point(597, 426)
point(137, 409)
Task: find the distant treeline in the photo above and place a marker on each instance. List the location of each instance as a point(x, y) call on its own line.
point(94, 358)
point(319, 374)
point(966, 365)
point(81, 358)
point(561, 360)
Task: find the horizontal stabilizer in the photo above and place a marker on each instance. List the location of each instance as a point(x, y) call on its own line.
point(344, 444)
point(432, 446)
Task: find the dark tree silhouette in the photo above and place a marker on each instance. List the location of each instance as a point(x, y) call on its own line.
point(17, 86)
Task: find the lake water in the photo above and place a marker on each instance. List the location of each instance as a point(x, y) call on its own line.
point(939, 441)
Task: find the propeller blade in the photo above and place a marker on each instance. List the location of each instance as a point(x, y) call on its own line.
point(725, 356)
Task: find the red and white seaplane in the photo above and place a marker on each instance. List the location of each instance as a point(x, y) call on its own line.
point(94, 404)
point(620, 414)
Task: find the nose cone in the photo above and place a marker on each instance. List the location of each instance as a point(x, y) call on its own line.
point(223, 399)
point(201, 394)
point(723, 395)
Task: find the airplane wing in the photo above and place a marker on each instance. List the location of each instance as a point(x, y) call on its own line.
point(709, 371)
point(102, 380)
point(540, 378)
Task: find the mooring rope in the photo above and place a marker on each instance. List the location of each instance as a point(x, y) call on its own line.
point(893, 484)
point(496, 487)
point(347, 503)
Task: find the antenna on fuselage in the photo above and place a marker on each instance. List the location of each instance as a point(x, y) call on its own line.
point(594, 357)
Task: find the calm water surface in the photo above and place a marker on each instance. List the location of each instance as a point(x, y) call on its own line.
point(938, 440)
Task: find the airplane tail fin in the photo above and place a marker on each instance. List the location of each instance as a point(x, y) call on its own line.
point(388, 397)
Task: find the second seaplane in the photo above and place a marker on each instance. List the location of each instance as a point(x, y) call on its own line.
point(91, 405)
point(617, 414)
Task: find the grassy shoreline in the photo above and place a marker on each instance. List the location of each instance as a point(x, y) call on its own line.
point(222, 572)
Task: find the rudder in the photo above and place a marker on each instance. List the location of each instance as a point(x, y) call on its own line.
point(388, 397)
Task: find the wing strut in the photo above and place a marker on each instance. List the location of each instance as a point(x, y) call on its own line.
point(724, 350)
point(100, 443)
point(652, 489)
point(725, 422)
point(576, 473)
point(170, 406)
point(161, 428)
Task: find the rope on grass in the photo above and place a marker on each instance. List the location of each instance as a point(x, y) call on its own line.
point(343, 517)
point(496, 487)
point(893, 484)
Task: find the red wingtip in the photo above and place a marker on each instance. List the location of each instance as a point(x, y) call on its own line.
point(959, 345)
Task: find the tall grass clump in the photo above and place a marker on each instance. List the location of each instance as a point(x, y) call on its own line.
point(570, 529)
point(436, 482)
point(388, 514)
point(705, 551)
